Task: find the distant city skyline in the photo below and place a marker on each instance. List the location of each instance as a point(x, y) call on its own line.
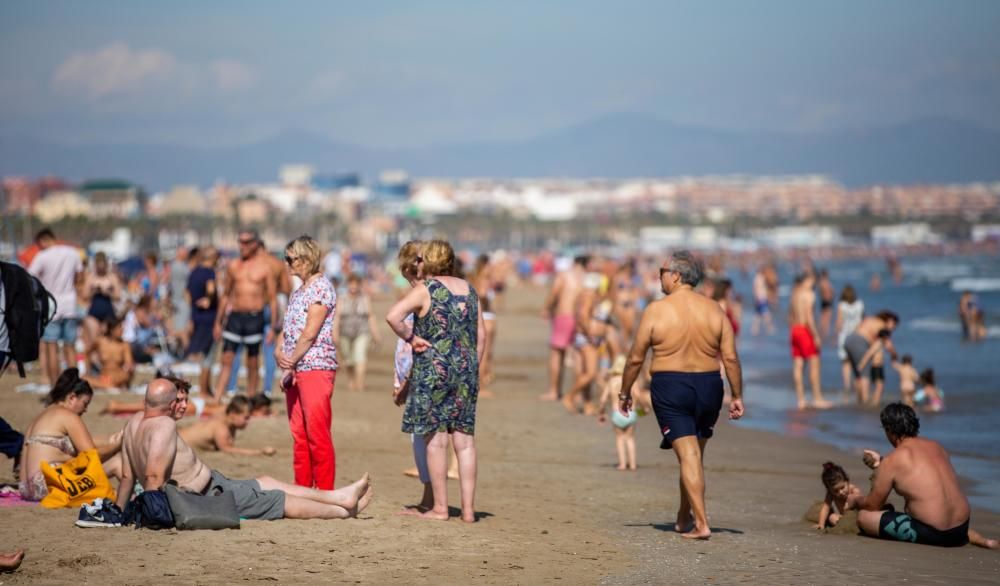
point(398, 74)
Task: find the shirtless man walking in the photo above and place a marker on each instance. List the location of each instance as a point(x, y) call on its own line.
point(920, 470)
point(153, 453)
point(805, 340)
point(688, 333)
point(251, 285)
point(561, 307)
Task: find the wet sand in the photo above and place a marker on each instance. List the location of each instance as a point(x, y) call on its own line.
point(552, 507)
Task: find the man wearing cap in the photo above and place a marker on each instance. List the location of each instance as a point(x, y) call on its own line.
point(250, 286)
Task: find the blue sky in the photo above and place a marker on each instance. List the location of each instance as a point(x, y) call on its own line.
point(416, 73)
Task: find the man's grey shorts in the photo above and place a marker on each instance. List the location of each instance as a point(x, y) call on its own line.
point(251, 501)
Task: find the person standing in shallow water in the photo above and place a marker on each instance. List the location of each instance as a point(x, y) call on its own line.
point(687, 333)
point(448, 339)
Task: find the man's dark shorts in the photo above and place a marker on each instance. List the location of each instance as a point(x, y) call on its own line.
point(686, 403)
point(251, 501)
point(902, 527)
point(243, 328)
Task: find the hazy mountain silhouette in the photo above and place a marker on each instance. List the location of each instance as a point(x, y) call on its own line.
point(933, 150)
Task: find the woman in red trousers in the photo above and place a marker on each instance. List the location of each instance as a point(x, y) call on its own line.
point(307, 354)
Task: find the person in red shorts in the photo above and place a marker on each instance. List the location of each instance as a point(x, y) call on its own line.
point(805, 340)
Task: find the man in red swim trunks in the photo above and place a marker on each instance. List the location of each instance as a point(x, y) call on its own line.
point(805, 340)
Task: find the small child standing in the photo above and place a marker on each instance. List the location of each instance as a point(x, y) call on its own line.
point(876, 355)
point(908, 377)
point(838, 490)
point(624, 425)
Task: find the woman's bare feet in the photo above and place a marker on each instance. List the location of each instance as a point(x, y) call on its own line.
point(11, 561)
point(434, 515)
point(469, 517)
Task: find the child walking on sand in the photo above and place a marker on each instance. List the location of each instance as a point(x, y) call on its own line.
point(908, 377)
point(115, 356)
point(838, 489)
point(624, 425)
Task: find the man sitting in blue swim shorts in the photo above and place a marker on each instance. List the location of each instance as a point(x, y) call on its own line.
point(687, 333)
point(936, 511)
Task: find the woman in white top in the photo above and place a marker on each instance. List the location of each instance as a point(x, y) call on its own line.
point(850, 311)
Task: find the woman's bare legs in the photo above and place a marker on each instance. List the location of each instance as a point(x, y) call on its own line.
point(437, 467)
point(465, 450)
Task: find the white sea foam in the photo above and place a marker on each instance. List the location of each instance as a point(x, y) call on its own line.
point(975, 284)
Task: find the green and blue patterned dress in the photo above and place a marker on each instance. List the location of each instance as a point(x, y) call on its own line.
point(444, 382)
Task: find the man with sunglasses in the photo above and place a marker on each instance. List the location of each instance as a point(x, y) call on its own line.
point(250, 287)
point(688, 334)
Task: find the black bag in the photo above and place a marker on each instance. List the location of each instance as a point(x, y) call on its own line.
point(150, 510)
point(216, 510)
point(28, 309)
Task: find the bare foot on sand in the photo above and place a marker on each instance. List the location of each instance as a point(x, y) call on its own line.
point(822, 404)
point(620, 467)
point(469, 517)
point(977, 538)
point(11, 561)
point(433, 515)
point(683, 521)
point(363, 502)
point(548, 397)
point(357, 489)
point(486, 394)
point(412, 472)
point(697, 533)
point(412, 511)
point(570, 406)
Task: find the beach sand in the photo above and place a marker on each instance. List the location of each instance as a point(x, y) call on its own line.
point(552, 507)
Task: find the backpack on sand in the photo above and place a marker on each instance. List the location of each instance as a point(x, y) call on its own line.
point(28, 309)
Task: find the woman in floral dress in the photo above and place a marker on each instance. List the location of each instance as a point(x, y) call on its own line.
point(448, 339)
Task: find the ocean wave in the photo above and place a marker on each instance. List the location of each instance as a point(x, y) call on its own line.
point(975, 284)
point(946, 325)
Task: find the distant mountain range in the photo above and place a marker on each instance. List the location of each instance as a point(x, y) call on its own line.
point(932, 150)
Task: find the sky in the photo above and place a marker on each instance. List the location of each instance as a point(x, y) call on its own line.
point(405, 74)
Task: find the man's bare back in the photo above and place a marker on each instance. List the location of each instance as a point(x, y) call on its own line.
point(801, 307)
point(922, 474)
point(685, 331)
point(566, 292)
point(149, 435)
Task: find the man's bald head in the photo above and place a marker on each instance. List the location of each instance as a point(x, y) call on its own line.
point(160, 393)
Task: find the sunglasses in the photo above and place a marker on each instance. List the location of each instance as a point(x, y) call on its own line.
point(290, 260)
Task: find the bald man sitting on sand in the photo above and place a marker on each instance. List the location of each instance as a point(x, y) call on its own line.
point(936, 511)
point(154, 453)
point(688, 333)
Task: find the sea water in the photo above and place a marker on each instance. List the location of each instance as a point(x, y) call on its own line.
point(926, 300)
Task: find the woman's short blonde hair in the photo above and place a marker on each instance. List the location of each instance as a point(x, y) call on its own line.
point(307, 250)
point(408, 258)
point(439, 259)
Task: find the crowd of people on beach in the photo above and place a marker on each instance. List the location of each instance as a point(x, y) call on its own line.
point(309, 318)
